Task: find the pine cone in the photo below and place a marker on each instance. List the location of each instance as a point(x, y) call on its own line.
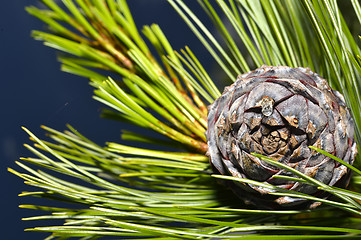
point(278, 112)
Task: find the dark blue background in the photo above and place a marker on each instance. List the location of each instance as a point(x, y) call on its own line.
point(35, 92)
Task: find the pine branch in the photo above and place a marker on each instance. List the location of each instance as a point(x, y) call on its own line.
point(111, 41)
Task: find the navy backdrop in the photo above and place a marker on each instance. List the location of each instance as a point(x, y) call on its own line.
point(34, 92)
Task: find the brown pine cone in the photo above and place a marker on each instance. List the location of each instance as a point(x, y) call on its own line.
point(278, 112)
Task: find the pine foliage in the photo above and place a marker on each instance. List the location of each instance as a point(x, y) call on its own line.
point(123, 191)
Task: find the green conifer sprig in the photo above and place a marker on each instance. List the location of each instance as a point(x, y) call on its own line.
point(124, 191)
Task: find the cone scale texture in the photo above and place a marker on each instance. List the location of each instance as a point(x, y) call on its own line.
point(279, 112)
